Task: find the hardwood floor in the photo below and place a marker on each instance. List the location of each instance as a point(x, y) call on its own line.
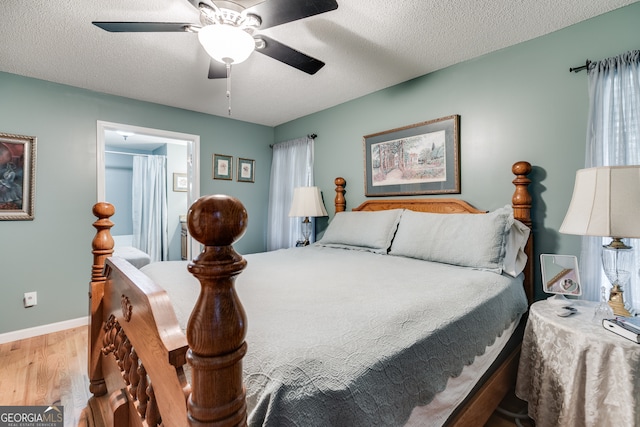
point(46, 370)
point(52, 369)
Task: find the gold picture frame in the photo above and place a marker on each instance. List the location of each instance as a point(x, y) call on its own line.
point(17, 176)
point(246, 170)
point(222, 166)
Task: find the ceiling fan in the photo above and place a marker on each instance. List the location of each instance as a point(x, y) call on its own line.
point(228, 31)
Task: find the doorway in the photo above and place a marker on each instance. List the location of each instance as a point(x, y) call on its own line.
point(117, 140)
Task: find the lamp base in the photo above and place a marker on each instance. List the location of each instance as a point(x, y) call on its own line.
point(306, 232)
point(616, 301)
point(616, 261)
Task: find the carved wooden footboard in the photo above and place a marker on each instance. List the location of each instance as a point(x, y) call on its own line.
point(144, 384)
point(139, 348)
point(148, 347)
point(137, 351)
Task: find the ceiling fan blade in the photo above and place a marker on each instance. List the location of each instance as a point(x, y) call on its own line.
point(276, 12)
point(142, 27)
point(289, 56)
point(217, 70)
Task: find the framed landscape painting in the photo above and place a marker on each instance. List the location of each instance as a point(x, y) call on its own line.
point(423, 158)
point(17, 176)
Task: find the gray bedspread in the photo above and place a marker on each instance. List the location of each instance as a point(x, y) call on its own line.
point(349, 338)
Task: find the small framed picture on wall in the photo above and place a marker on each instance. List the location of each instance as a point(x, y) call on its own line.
point(246, 170)
point(180, 182)
point(222, 166)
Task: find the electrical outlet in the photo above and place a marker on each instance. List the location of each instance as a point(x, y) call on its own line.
point(30, 299)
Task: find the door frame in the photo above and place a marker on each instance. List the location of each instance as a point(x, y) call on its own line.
point(193, 161)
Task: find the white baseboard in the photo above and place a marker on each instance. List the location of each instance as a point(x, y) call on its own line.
point(44, 329)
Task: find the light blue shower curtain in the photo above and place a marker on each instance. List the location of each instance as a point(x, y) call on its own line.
point(149, 206)
point(613, 139)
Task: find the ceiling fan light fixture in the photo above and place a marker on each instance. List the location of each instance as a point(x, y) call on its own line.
point(226, 44)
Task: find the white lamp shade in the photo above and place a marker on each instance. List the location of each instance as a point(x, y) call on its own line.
point(226, 43)
point(605, 202)
point(307, 201)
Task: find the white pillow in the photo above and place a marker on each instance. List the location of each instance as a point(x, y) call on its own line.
point(362, 230)
point(515, 257)
point(468, 240)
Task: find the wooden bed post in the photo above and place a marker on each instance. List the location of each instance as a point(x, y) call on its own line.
point(217, 326)
point(521, 202)
point(102, 248)
point(339, 202)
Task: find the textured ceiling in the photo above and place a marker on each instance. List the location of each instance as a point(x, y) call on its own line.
point(367, 45)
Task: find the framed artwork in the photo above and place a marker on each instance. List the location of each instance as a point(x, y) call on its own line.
point(17, 176)
point(560, 274)
point(423, 158)
point(246, 170)
point(222, 166)
point(180, 182)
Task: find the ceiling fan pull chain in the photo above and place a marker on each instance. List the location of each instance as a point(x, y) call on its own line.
point(229, 85)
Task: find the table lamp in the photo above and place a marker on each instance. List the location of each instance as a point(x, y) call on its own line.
point(606, 203)
point(307, 202)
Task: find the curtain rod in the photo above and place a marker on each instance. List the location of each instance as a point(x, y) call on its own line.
point(310, 136)
point(128, 154)
point(580, 68)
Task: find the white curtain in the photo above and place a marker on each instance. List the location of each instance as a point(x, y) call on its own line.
point(150, 225)
point(613, 139)
point(291, 167)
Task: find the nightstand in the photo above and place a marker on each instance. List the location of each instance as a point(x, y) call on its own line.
point(573, 372)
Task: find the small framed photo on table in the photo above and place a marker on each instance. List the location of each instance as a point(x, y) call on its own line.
point(246, 170)
point(222, 166)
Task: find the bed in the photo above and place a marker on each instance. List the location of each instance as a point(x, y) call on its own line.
point(358, 329)
point(123, 248)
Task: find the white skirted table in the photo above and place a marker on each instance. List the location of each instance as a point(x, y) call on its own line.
point(573, 372)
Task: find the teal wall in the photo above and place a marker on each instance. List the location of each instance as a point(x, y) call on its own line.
point(520, 103)
point(51, 254)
